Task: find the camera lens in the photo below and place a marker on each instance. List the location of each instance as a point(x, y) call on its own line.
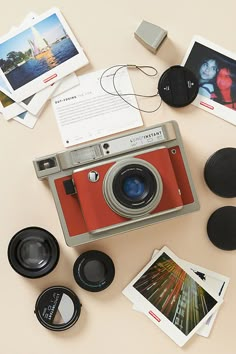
point(33, 252)
point(94, 271)
point(132, 187)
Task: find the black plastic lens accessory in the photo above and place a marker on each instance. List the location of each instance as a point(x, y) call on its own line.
point(220, 172)
point(178, 86)
point(33, 252)
point(57, 308)
point(94, 271)
point(221, 228)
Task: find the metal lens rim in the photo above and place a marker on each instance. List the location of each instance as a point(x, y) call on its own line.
point(110, 197)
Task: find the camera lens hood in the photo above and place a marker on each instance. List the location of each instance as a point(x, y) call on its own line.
point(33, 252)
point(94, 271)
point(147, 181)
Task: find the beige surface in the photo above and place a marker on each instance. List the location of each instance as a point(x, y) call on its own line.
point(107, 323)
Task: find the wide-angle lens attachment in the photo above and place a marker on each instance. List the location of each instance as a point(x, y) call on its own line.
point(94, 271)
point(33, 252)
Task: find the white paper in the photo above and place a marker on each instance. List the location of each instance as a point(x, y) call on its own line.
point(27, 119)
point(65, 84)
point(86, 112)
point(217, 282)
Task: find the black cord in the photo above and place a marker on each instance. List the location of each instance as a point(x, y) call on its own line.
point(131, 66)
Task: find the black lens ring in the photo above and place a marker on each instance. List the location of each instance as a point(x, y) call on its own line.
point(39, 234)
point(134, 170)
point(79, 274)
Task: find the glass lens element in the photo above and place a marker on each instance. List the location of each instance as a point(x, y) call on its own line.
point(133, 187)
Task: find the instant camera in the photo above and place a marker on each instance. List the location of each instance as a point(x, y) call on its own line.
point(120, 184)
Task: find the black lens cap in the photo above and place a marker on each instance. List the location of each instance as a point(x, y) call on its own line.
point(178, 86)
point(220, 172)
point(94, 271)
point(33, 252)
point(221, 228)
point(57, 308)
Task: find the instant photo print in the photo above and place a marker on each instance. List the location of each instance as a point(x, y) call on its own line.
point(215, 69)
point(8, 107)
point(38, 54)
point(177, 300)
point(217, 282)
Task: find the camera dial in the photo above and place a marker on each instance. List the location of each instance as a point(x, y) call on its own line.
point(132, 187)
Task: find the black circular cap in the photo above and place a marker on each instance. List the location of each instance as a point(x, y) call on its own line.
point(221, 228)
point(94, 271)
point(220, 172)
point(178, 86)
point(33, 252)
point(57, 308)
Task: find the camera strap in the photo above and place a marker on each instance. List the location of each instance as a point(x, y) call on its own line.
point(144, 69)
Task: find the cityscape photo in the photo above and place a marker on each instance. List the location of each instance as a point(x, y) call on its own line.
point(175, 294)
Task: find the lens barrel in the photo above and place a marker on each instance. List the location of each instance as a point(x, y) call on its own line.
point(33, 252)
point(132, 187)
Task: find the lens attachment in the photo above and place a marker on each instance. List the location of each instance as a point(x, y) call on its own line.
point(57, 308)
point(132, 187)
point(94, 271)
point(220, 172)
point(33, 252)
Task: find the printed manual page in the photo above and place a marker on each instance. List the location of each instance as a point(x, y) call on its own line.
point(86, 112)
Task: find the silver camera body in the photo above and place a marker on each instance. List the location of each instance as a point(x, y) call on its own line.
point(119, 184)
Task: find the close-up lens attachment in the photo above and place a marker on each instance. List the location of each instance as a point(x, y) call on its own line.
point(94, 271)
point(33, 252)
point(132, 188)
point(57, 308)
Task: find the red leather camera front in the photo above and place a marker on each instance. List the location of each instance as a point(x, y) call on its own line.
point(71, 209)
point(97, 213)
